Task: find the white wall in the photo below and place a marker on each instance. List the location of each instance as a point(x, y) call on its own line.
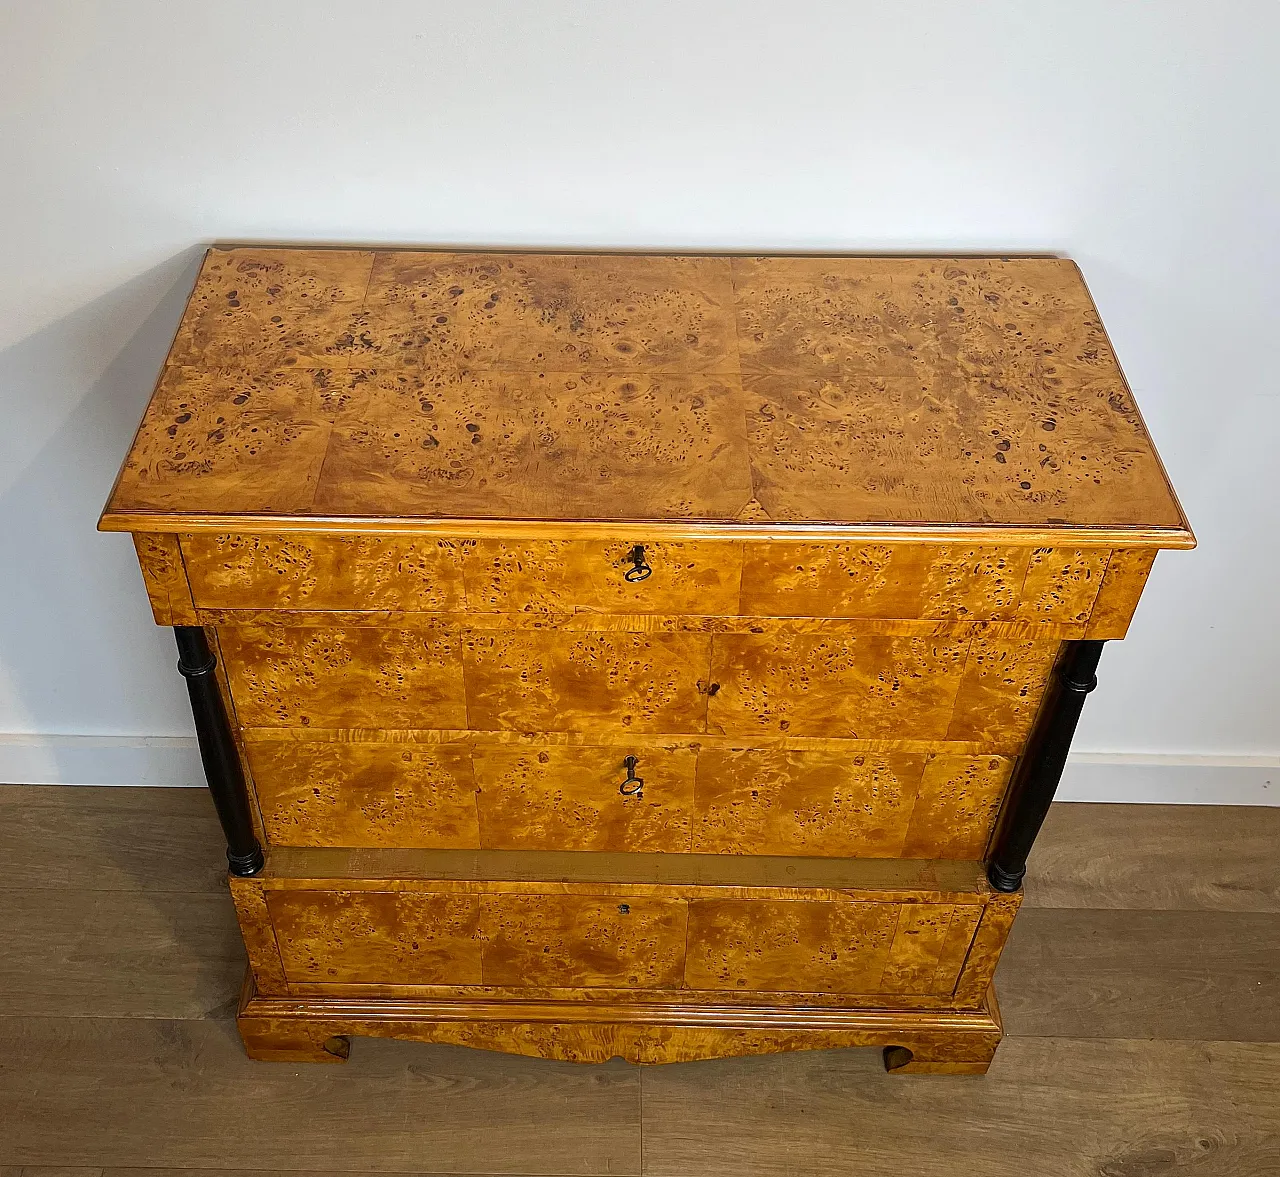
point(1138, 137)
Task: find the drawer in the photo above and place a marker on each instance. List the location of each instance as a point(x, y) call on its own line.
point(236, 571)
point(507, 936)
point(704, 798)
point(972, 687)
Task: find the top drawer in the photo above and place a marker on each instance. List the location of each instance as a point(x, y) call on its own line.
point(703, 578)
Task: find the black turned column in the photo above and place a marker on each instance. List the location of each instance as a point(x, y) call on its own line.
point(1036, 777)
point(218, 750)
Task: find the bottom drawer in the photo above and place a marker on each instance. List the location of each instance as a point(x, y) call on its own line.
point(705, 927)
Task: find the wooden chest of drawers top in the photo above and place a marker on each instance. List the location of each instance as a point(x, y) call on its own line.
point(610, 396)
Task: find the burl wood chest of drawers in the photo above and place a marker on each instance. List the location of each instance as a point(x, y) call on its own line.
point(656, 656)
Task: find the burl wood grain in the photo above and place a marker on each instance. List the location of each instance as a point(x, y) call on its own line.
point(591, 681)
point(249, 571)
point(746, 391)
point(254, 572)
point(570, 798)
point(370, 678)
point(862, 687)
point(165, 578)
point(568, 575)
point(555, 444)
point(762, 945)
point(358, 793)
point(869, 378)
point(1004, 679)
point(824, 801)
point(583, 940)
point(882, 580)
point(834, 802)
point(345, 937)
point(1122, 585)
point(313, 1030)
point(624, 940)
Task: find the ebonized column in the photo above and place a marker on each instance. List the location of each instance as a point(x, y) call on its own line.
point(218, 752)
point(1039, 769)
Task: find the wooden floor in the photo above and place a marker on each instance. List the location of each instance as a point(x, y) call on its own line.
point(1141, 993)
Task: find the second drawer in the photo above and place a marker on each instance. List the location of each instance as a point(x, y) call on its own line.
point(683, 797)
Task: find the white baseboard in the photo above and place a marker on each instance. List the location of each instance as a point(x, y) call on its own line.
point(1091, 776)
point(100, 760)
point(1139, 779)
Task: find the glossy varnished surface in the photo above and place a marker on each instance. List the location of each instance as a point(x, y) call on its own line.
point(697, 797)
point(434, 386)
point(964, 687)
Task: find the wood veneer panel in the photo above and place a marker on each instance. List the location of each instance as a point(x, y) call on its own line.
point(606, 681)
point(956, 806)
point(570, 799)
point(352, 936)
point(1000, 691)
point(555, 443)
point(582, 940)
point(762, 944)
point(346, 678)
point(852, 687)
point(568, 575)
point(791, 801)
point(1062, 583)
point(270, 572)
point(166, 579)
point(888, 391)
point(1122, 585)
point(344, 793)
point(882, 580)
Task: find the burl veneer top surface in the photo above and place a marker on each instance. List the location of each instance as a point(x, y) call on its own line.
point(752, 392)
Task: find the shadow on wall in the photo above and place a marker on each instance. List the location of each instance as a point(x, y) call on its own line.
point(79, 651)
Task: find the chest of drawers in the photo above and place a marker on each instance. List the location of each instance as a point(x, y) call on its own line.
point(666, 657)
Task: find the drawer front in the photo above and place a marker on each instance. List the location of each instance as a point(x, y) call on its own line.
point(411, 574)
point(504, 938)
point(874, 686)
point(824, 802)
point(945, 582)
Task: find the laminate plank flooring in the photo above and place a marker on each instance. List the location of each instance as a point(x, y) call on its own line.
point(1141, 992)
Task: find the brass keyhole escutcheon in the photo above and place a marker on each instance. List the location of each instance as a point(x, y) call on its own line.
point(633, 786)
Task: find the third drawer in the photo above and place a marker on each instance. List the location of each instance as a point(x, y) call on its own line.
point(825, 799)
